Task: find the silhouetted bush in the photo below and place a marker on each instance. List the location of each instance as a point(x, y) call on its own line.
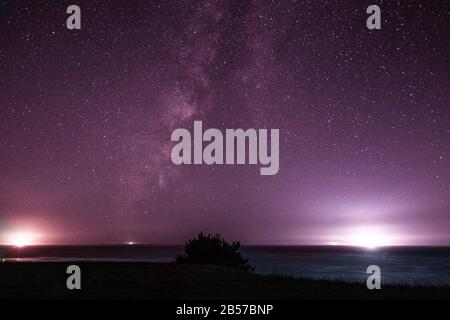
point(209, 249)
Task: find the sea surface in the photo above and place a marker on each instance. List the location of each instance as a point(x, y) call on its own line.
point(399, 265)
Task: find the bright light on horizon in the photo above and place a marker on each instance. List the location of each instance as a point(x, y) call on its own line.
point(369, 237)
point(21, 238)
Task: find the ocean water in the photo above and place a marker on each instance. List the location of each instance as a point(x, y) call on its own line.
point(399, 265)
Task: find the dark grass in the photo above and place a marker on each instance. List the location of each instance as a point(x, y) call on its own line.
point(125, 280)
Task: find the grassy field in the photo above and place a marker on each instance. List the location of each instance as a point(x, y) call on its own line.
point(119, 280)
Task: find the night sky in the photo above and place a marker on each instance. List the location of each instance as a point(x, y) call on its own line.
point(364, 118)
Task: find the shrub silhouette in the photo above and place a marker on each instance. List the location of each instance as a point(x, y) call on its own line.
point(213, 249)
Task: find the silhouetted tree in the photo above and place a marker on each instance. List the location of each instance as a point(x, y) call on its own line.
point(213, 249)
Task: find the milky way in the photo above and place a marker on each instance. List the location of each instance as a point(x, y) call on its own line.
point(364, 118)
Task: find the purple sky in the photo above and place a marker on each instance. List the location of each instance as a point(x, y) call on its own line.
point(364, 117)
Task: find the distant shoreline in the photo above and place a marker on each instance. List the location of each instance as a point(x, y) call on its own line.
point(136, 244)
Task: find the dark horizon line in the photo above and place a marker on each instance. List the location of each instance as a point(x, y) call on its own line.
point(135, 244)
